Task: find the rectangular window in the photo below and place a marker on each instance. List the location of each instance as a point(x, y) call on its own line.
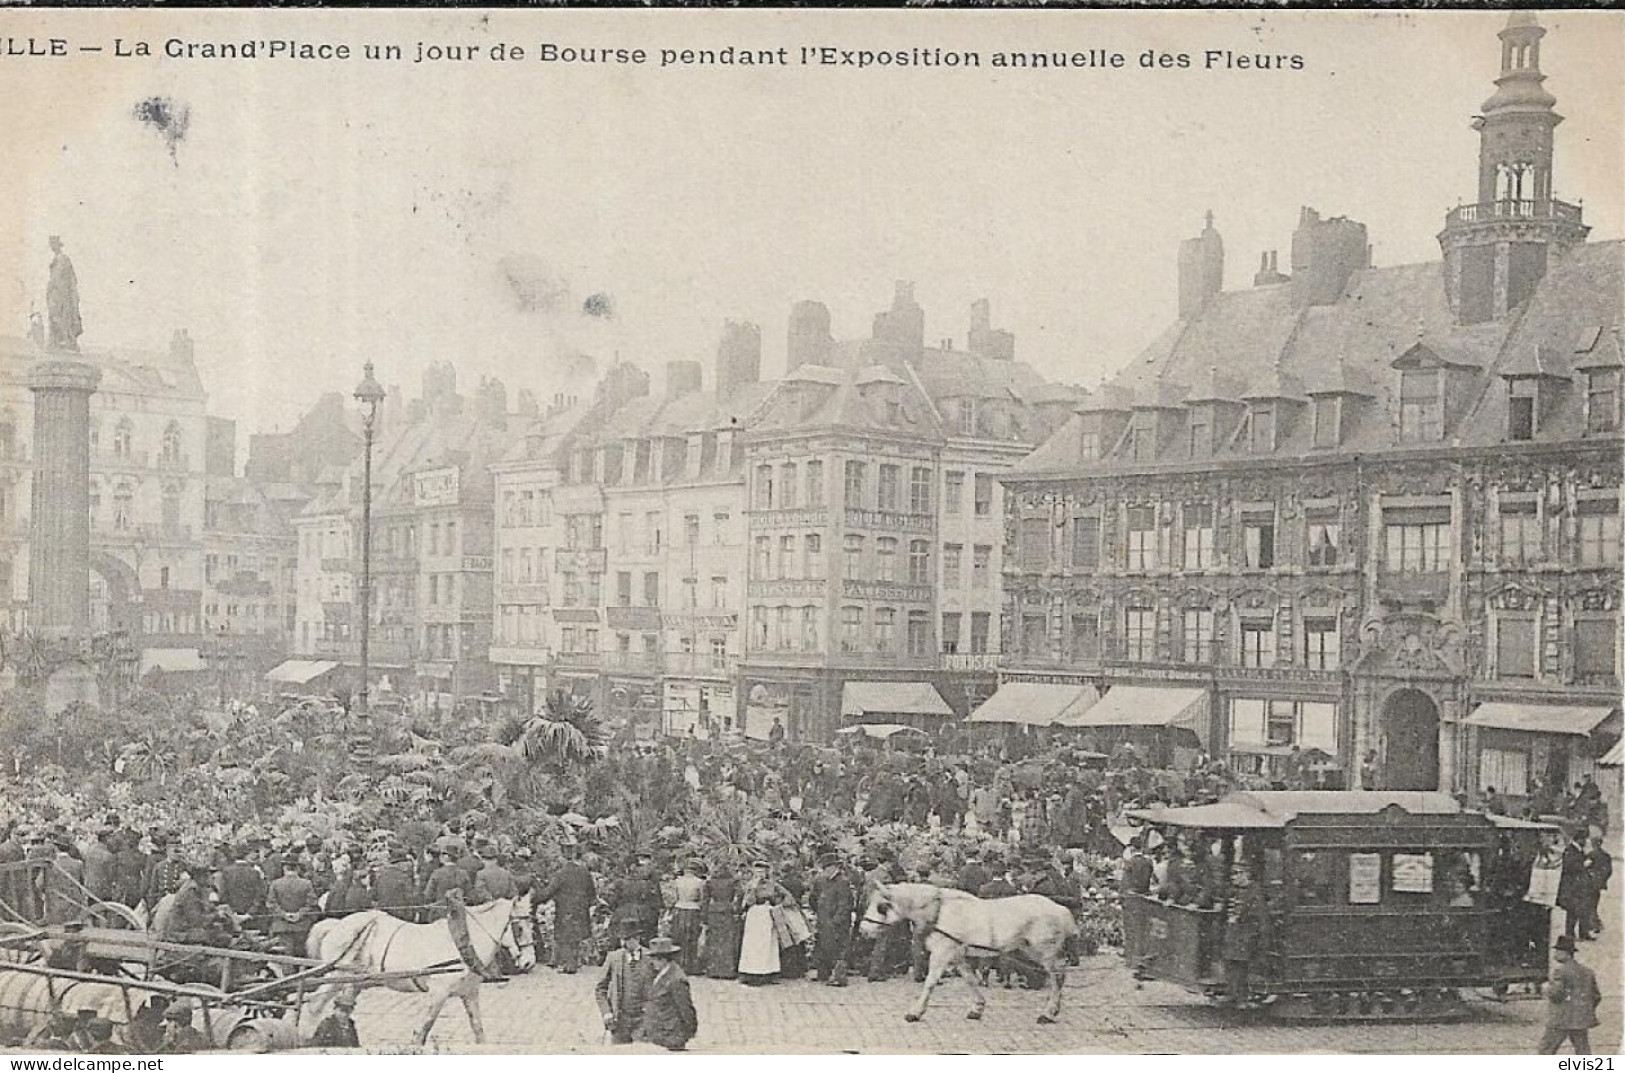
point(1035, 636)
point(1602, 401)
point(1515, 646)
point(719, 524)
point(1198, 519)
point(764, 487)
point(1198, 635)
point(651, 589)
point(719, 592)
point(852, 552)
point(1141, 637)
point(783, 638)
point(1325, 534)
point(919, 633)
point(815, 483)
point(1142, 538)
point(814, 544)
point(1280, 723)
point(984, 495)
point(1421, 406)
point(1258, 643)
point(953, 492)
point(810, 641)
point(651, 522)
point(1085, 636)
point(950, 631)
point(1417, 539)
point(1522, 409)
point(691, 530)
point(854, 486)
point(1263, 428)
point(1505, 771)
point(1247, 721)
point(919, 491)
point(787, 557)
point(1033, 547)
point(623, 588)
point(851, 629)
point(691, 594)
point(889, 489)
point(762, 559)
point(788, 485)
point(1142, 435)
point(1594, 640)
point(1520, 534)
point(1599, 532)
point(1258, 540)
point(886, 559)
point(572, 589)
point(1328, 420)
point(1201, 432)
point(1086, 541)
point(952, 566)
point(919, 562)
point(595, 589)
point(626, 531)
point(758, 629)
point(980, 625)
point(981, 564)
point(1321, 644)
point(885, 629)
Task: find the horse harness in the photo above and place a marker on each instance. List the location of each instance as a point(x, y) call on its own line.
point(937, 929)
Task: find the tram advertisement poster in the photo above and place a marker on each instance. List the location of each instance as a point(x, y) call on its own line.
point(1365, 878)
point(1543, 886)
point(1413, 873)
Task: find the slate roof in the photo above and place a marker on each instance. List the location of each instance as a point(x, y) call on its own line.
point(1262, 339)
point(137, 372)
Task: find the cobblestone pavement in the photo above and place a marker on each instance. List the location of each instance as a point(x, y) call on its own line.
point(1103, 1013)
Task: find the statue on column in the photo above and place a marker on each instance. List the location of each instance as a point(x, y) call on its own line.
point(62, 300)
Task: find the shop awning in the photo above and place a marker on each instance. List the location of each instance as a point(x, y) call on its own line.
point(1038, 704)
point(862, 699)
point(170, 660)
point(1539, 718)
point(1612, 757)
point(299, 671)
point(879, 730)
point(1148, 706)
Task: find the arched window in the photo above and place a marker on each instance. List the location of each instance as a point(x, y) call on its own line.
point(172, 508)
point(172, 443)
point(123, 438)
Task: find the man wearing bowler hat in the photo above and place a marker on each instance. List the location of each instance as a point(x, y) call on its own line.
point(1571, 1001)
point(668, 1010)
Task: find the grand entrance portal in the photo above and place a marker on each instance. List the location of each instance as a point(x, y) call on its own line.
point(1410, 723)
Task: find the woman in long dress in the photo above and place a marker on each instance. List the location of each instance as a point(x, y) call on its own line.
point(719, 917)
point(759, 951)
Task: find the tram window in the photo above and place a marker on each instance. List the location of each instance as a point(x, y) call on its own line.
point(1316, 878)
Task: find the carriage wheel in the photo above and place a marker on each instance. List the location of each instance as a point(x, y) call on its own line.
point(114, 915)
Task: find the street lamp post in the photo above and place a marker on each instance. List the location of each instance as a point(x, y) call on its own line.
point(369, 394)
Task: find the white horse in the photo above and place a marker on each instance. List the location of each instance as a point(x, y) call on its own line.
point(1026, 925)
point(373, 941)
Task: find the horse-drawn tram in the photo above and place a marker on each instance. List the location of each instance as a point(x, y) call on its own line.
point(1357, 905)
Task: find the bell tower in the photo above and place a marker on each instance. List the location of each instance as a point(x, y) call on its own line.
point(1497, 249)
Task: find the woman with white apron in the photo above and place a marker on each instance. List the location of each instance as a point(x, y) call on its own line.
point(759, 948)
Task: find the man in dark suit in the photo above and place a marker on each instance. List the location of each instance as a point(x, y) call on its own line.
point(1599, 870)
point(572, 892)
point(1574, 888)
point(668, 1009)
point(835, 903)
point(1571, 1001)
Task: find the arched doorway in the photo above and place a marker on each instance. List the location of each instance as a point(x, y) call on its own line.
point(1410, 723)
point(115, 593)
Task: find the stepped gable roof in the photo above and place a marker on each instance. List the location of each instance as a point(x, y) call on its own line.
point(1578, 304)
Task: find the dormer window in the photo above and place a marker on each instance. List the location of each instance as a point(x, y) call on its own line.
point(1328, 421)
point(1143, 438)
point(1261, 428)
point(1421, 406)
point(1602, 401)
point(965, 416)
point(1089, 438)
point(1201, 432)
point(1523, 408)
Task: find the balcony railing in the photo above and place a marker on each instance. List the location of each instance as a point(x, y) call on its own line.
point(633, 662)
point(1490, 211)
point(970, 661)
point(701, 663)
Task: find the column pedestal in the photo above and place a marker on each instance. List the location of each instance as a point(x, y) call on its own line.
point(59, 529)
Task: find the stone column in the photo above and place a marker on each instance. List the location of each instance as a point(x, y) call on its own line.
point(59, 531)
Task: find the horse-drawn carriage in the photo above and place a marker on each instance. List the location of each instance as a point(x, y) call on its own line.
point(1340, 904)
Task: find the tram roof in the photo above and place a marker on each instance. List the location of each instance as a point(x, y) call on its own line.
point(1267, 809)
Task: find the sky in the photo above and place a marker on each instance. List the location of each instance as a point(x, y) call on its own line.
point(507, 215)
